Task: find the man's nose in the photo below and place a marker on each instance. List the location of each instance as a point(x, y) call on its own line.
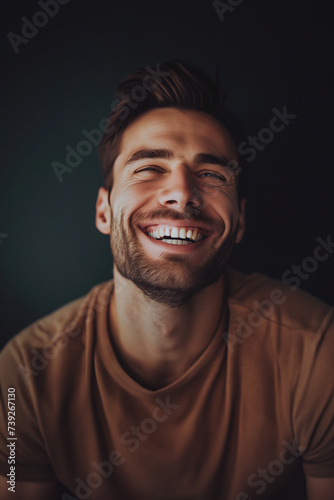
point(180, 190)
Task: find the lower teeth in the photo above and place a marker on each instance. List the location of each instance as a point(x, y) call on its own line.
point(177, 242)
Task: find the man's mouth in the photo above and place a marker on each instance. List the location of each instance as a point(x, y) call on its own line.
point(176, 235)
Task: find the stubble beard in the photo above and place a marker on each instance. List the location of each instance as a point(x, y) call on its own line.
point(173, 279)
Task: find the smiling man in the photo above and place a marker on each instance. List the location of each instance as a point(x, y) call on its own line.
point(180, 379)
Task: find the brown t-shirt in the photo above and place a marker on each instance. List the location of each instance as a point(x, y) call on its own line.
point(246, 421)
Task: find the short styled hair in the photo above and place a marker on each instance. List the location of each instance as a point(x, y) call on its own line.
point(171, 84)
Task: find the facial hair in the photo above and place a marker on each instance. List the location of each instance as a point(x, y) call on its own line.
point(172, 279)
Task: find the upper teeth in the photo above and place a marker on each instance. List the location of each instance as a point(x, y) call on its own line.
point(176, 232)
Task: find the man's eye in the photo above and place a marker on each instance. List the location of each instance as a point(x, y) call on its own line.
point(151, 168)
point(214, 175)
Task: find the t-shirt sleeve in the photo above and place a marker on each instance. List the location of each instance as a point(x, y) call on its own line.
point(28, 450)
point(313, 414)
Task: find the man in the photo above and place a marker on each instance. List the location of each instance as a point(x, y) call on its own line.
point(181, 379)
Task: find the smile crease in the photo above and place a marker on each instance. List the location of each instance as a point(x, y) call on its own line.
point(175, 235)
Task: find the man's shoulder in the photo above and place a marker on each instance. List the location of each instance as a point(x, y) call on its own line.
point(69, 320)
point(280, 304)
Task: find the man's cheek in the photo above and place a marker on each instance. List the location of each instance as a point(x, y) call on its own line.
point(230, 219)
point(209, 195)
point(116, 205)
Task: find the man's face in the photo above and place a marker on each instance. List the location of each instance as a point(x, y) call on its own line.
point(174, 213)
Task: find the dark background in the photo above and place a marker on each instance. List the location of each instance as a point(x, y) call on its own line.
point(271, 54)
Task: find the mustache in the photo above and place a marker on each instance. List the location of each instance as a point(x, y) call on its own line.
point(188, 215)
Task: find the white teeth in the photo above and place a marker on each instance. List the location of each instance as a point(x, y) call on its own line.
point(182, 233)
point(174, 233)
point(177, 242)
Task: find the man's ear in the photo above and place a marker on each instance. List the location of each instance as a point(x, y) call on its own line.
point(102, 217)
point(241, 222)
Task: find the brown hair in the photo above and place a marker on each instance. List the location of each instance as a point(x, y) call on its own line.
point(170, 84)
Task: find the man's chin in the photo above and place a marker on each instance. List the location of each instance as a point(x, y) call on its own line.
point(172, 296)
point(173, 285)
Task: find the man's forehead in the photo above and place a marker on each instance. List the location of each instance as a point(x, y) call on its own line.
point(176, 129)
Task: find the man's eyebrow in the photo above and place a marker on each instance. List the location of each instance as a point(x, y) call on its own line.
point(212, 160)
point(166, 154)
point(145, 154)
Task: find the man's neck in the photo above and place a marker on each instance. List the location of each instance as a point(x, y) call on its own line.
point(156, 343)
